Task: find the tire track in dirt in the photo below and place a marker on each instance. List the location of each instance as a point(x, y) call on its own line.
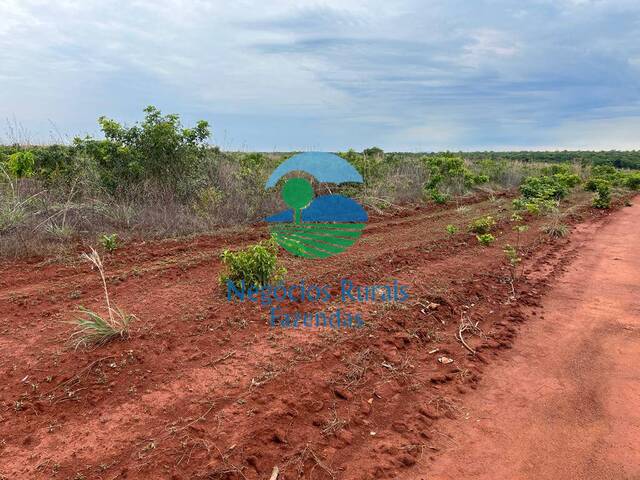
point(565, 403)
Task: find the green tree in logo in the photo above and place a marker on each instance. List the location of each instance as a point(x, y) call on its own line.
point(297, 193)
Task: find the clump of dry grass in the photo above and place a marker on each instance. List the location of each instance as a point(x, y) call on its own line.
point(93, 329)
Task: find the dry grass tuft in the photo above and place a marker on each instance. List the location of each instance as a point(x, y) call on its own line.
point(93, 329)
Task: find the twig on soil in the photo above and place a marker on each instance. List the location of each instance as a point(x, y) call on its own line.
point(221, 359)
point(333, 424)
point(223, 472)
point(467, 325)
point(201, 417)
point(79, 374)
point(306, 454)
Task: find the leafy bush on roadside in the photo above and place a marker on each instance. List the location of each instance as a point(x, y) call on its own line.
point(535, 206)
point(632, 181)
point(256, 265)
point(482, 225)
point(544, 187)
point(541, 194)
point(603, 194)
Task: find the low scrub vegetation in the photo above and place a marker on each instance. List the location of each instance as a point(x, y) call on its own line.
point(159, 178)
point(541, 194)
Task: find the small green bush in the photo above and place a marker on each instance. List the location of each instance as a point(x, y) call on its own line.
point(535, 206)
point(21, 164)
point(109, 242)
point(548, 187)
point(482, 225)
point(633, 181)
point(603, 194)
point(437, 196)
point(450, 169)
point(451, 229)
point(485, 239)
point(256, 265)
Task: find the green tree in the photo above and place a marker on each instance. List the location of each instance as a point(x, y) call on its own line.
point(159, 148)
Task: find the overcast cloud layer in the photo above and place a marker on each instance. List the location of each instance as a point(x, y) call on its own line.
point(278, 75)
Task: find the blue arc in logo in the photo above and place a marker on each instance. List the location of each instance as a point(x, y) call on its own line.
point(325, 167)
point(326, 225)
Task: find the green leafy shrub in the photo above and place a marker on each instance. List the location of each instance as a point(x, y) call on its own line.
point(605, 172)
point(544, 187)
point(482, 225)
point(159, 148)
point(21, 164)
point(485, 239)
point(451, 229)
point(632, 181)
point(437, 196)
point(450, 169)
point(541, 194)
point(256, 265)
point(535, 206)
point(109, 242)
point(603, 194)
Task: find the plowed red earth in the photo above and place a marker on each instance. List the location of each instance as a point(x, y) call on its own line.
point(206, 389)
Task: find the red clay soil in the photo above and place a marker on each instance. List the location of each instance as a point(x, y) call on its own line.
point(565, 403)
point(207, 389)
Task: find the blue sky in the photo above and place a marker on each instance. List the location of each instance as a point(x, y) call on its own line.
point(411, 75)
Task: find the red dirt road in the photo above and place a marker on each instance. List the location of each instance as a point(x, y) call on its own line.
point(565, 402)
